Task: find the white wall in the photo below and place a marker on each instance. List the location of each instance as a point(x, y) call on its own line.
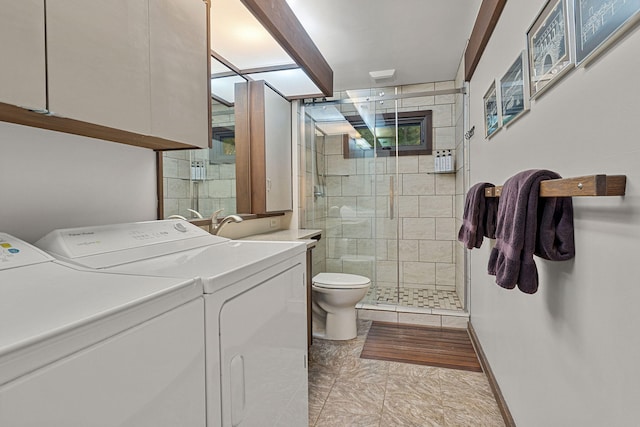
point(567, 355)
point(52, 180)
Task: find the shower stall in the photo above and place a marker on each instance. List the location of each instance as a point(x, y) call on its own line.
point(383, 175)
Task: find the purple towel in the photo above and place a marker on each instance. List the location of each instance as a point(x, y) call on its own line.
point(528, 225)
point(479, 217)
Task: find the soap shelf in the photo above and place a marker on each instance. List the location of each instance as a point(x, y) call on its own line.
point(590, 185)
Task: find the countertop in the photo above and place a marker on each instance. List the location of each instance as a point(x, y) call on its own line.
point(309, 236)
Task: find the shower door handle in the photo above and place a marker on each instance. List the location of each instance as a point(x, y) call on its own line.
point(391, 197)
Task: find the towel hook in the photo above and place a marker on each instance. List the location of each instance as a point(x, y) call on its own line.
point(470, 133)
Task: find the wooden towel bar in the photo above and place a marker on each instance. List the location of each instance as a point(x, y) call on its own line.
point(591, 185)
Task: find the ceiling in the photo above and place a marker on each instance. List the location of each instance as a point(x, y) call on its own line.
point(244, 49)
point(423, 40)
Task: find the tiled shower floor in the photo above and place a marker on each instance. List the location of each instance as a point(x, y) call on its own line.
point(412, 297)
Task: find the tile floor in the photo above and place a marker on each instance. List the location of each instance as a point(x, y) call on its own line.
point(345, 390)
point(412, 297)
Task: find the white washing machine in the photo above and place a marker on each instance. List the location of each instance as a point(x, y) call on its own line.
point(81, 348)
point(255, 309)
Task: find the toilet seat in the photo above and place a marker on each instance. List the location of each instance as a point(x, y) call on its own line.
point(340, 281)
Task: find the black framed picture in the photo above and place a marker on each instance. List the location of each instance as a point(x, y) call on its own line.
point(548, 46)
point(599, 23)
point(514, 94)
point(492, 122)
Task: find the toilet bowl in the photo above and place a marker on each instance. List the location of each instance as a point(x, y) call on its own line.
point(335, 296)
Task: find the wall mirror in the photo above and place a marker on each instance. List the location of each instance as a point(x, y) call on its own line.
point(203, 181)
point(200, 182)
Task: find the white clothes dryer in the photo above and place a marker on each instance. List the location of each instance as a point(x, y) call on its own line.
point(255, 309)
point(81, 348)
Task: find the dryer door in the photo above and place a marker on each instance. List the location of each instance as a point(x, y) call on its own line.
point(263, 342)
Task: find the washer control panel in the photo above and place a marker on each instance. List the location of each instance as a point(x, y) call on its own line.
point(16, 253)
point(109, 245)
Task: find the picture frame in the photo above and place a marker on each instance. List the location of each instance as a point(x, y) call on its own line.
point(514, 90)
point(599, 23)
point(548, 47)
point(492, 119)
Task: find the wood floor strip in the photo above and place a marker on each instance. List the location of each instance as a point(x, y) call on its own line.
point(421, 345)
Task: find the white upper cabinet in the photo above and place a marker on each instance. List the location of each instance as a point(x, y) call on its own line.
point(130, 71)
point(22, 45)
point(277, 122)
point(98, 62)
point(179, 82)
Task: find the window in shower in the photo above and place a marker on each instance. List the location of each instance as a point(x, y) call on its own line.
point(414, 134)
point(223, 146)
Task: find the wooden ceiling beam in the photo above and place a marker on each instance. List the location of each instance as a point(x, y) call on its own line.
point(279, 20)
point(486, 21)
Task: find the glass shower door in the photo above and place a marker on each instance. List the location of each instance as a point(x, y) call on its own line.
point(348, 192)
point(382, 170)
point(386, 213)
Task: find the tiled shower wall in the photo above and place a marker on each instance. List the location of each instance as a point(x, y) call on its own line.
point(357, 224)
point(217, 191)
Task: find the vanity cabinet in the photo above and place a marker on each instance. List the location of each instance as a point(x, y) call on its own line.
point(263, 150)
point(130, 71)
point(22, 49)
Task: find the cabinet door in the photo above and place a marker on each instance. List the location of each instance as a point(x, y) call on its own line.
point(263, 150)
point(22, 74)
point(98, 62)
point(179, 71)
point(277, 122)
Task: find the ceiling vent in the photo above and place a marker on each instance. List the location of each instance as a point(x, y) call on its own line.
point(382, 75)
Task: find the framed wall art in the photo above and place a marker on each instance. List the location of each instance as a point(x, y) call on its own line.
point(514, 92)
point(599, 23)
point(548, 46)
point(492, 122)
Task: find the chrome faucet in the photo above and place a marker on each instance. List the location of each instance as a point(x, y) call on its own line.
point(216, 226)
point(177, 217)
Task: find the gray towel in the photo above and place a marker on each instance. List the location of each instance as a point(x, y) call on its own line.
point(479, 218)
point(529, 225)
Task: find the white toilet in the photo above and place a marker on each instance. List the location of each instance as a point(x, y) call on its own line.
point(335, 296)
